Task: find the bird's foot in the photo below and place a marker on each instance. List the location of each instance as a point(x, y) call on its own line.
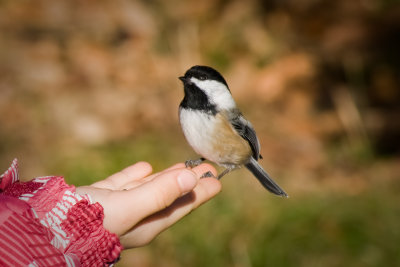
point(191, 163)
point(207, 175)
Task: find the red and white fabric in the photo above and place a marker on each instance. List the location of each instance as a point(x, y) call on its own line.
point(43, 222)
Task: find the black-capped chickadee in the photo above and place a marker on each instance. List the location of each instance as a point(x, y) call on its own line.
point(215, 127)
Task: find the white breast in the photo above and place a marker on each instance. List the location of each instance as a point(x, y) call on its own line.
point(198, 127)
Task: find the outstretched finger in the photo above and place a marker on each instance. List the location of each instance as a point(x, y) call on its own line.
point(120, 179)
point(135, 183)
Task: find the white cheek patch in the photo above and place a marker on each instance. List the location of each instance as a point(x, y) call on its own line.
point(217, 93)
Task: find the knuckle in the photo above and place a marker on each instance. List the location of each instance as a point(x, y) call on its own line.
point(162, 198)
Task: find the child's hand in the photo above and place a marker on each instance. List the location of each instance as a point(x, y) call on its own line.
point(138, 206)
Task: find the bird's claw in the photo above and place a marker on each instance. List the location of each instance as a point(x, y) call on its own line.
point(191, 163)
point(207, 175)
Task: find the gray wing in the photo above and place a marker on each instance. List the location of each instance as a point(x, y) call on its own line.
point(246, 130)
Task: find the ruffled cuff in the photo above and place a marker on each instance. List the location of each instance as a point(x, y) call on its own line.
point(75, 223)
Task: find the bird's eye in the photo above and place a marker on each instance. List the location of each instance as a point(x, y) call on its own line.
point(203, 77)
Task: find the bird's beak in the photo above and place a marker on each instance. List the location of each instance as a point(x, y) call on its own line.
point(183, 79)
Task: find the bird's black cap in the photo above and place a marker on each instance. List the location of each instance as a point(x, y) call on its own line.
point(203, 73)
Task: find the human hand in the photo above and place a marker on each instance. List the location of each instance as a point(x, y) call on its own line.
point(139, 206)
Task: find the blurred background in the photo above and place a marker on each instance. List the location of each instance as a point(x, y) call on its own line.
point(90, 87)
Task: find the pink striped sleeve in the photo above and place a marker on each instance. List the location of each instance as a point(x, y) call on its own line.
point(10, 176)
point(45, 223)
point(23, 240)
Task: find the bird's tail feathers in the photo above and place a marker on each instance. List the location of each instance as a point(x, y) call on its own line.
point(264, 178)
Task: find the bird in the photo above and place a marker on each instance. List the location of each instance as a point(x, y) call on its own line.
point(216, 129)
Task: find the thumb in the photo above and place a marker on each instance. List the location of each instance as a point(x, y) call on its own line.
point(131, 206)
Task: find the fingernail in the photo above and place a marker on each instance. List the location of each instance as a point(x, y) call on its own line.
point(187, 181)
